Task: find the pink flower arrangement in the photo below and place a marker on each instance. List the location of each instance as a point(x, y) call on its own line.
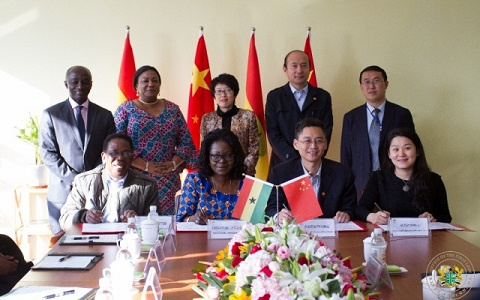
point(265, 262)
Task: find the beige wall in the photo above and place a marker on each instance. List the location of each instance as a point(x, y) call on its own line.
point(430, 50)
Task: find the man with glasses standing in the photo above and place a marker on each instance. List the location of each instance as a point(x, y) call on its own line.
point(365, 127)
point(71, 137)
point(291, 103)
point(333, 183)
point(112, 192)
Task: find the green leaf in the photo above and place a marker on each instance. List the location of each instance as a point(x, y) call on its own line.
point(333, 287)
point(199, 268)
point(212, 280)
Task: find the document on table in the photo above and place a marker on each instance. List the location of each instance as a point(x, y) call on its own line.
point(433, 226)
point(350, 226)
point(104, 228)
point(441, 226)
point(191, 226)
point(49, 292)
point(64, 262)
point(103, 239)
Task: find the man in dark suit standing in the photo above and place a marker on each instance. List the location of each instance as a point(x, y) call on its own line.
point(71, 139)
point(365, 127)
point(332, 182)
point(291, 103)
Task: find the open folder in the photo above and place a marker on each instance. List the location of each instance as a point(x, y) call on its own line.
point(99, 239)
point(68, 261)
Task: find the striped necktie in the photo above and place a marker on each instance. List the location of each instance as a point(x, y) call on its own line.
point(374, 135)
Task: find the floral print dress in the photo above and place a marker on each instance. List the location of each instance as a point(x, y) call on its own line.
point(158, 139)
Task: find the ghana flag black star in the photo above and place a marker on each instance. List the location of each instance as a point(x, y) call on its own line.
point(252, 200)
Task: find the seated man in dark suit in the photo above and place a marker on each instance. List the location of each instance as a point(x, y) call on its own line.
point(112, 192)
point(332, 182)
point(12, 264)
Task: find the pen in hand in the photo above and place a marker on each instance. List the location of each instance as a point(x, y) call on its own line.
point(378, 206)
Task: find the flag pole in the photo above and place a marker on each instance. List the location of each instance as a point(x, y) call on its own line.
point(276, 186)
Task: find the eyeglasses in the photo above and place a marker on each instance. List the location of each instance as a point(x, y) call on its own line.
point(124, 154)
point(218, 157)
point(309, 143)
point(225, 91)
point(376, 81)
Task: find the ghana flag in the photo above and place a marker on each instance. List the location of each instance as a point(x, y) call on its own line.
point(252, 200)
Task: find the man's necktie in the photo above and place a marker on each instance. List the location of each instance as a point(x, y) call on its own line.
point(298, 95)
point(80, 124)
point(315, 183)
point(374, 135)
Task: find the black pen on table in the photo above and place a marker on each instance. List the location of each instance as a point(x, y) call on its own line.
point(64, 257)
point(65, 293)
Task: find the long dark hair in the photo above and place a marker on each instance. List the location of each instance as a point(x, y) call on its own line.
point(227, 136)
point(421, 171)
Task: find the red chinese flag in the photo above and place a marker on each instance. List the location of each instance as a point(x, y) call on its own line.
point(302, 199)
point(127, 71)
point(312, 77)
point(200, 101)
point(254, 102)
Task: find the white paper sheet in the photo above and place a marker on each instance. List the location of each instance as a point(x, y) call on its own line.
point(91, 239)
point(104, 228)
point(40, 292)
point(191, 226)
point(349, 226)
point(72, 262)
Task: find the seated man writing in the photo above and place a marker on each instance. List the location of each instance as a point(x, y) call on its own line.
point(111, 192)
point(333, 182)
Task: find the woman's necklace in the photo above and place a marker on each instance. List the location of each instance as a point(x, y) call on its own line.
point(215, 187)
point(406, 187)
point(149, 103)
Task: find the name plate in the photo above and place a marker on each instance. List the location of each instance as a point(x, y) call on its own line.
point(224, 229)
point(408, 227)
point(320, 227)
point(166, 224)
point(376, 272)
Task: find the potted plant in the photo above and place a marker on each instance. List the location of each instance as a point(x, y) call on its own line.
point(38, 175)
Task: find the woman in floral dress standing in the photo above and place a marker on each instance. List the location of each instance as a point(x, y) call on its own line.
point(163, 146)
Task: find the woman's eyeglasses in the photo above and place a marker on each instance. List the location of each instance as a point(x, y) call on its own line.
point(218, 157)
point(225, 91)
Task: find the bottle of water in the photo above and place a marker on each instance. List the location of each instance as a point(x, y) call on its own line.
point(379, 245)
point(104, 292)
point(131, 227)
point(152, 215)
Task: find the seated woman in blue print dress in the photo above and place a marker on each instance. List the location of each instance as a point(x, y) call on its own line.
point(212, 191)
